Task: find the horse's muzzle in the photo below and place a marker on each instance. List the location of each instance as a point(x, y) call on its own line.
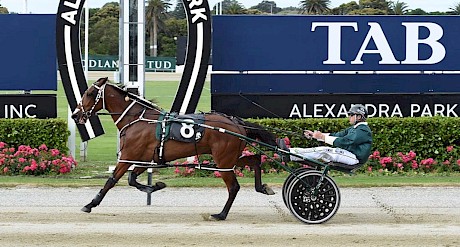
point(79, 117)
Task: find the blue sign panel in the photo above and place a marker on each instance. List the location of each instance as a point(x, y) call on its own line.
point(336, 43)
point(334, 83)
point(28, 52)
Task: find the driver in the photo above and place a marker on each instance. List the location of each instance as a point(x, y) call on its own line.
point(350, 146)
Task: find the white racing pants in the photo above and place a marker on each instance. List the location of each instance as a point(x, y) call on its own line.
point(325, 154)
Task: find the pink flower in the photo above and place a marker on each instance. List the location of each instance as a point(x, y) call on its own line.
point(247, 153)
point(450, 148)
point(217, 174)
point(263, 158)
point(386, 160)
point(21, 160)
point(446, 162)
point(369, 168)
point(54, 152)
point(400, 166)
point(414, 164)
point(43, 147)
point(375, 155)
point(43, 165)
point(2, 144)
point(5, 170)
point(380, 170)
point(33, 165)
point(177, 170)
point(428, 161)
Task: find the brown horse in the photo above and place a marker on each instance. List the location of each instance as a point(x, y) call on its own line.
point(136, 120)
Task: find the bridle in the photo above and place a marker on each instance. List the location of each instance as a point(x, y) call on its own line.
point(99, 96)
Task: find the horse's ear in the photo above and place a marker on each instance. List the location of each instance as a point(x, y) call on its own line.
point(101, 81)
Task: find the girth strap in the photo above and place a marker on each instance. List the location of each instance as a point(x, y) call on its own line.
point(163, 134)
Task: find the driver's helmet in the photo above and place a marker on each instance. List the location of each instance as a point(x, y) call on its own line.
point(358, 110)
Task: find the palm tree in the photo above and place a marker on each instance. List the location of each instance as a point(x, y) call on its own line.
point(399, 8)
point(455, 10)
point(235, 8)
point(314, 7)
point(155, 14)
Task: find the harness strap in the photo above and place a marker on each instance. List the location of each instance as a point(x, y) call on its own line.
point(162, 141)
point(125, 112)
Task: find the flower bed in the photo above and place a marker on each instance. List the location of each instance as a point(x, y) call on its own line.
point(410, 162)
point(25, 160)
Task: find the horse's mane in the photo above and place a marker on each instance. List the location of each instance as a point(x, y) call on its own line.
point(136, 97)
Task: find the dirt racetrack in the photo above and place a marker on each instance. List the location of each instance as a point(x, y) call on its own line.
point(409, 216)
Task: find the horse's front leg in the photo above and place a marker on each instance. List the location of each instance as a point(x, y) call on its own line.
point(233, 187)
point(132, 180)
point(119, 171)
point(254, 162)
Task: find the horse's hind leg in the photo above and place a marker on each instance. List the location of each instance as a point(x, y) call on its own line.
point(132, 180)
point(254, 162)
point(233, 187)
point(119, 171)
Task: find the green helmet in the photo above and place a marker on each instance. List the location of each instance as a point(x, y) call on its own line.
point(358, 110)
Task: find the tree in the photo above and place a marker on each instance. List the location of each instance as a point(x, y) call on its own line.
point(345, 9)
point(267, 7)
point(104, 30)
point(104, 37)
point(179, 10)
point(235, 8)
point(417, 11)
point(173, 28)
point(314, 7)
point(455, 10)
point(399, 8)
point(3, 10)
point(156, 14)
point(372, 7)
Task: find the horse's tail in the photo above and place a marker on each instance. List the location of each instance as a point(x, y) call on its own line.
point(256, 131)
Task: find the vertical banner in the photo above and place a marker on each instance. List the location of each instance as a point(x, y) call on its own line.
point(70, 63)
point(197, 57)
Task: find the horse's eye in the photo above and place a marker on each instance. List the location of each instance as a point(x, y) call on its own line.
point(91, 94)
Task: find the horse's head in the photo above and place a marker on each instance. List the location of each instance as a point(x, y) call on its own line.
point(91, 102)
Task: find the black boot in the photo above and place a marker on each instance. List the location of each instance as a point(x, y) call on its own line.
point(282, 145)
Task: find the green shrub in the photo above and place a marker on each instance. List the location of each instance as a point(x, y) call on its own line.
point(35, 132)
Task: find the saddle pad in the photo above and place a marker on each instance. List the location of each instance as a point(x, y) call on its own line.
point(183, 128)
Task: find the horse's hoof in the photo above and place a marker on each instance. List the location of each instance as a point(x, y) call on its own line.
point(86, 210)
point(160, 185)
point(268, 190)
point(216, 217)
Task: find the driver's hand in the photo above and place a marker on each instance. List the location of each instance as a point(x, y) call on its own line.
point(308, 134)
point(318, 135)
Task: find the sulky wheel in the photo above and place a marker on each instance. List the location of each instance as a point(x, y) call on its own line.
point(310, 204)
point(287, 182)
